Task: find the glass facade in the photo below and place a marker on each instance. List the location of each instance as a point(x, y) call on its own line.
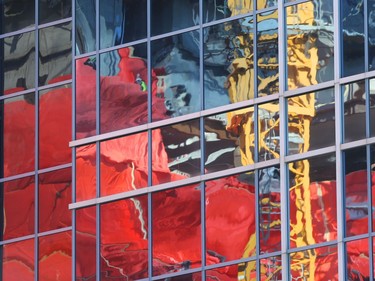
point(187, 140)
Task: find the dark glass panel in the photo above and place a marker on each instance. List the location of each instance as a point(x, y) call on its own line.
point(262, 4)
point(230, 231)
point(16, 14)
point(219, 9)
point(18, 128)
point(55, 54)
point(315, 264)
point(55, 257)
point(171, 15)
point(85, 172)
point(236, 272)
point(123, 239)
point(54, 10)
point(354, 100)
point(55, 195)
point(85, 14)
point(310, 43)
point(17, 63)
point(123, 88)
point(176, 152)
point(312, 197)
point(372, 107)
point(122, 21)
point(269, 131)
point(228, 63)
point(176, 221)
point(18, 261)
point(124, 164)
point(175, 76)
point(356, 199)
point(371, 33)
point(55, 126)
point(357, 258)
point(269, 210)
point(270, 268)
point(229, 140)
point(85, 97)
point(309, 116)
point(18, 202)
point(353, 37)
point(268, 57)
point(85, 244)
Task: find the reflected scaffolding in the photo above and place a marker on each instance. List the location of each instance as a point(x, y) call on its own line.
point(357, 258)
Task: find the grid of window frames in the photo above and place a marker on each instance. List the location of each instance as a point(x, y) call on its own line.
point(224, 140)
point(36, 127)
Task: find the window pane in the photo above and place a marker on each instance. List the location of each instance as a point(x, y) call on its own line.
point(357, 258)
point(270, 268)
point(242, 271)
point(372, 107)
point(16, 15)
point(371, 33)
point(85, 26)
point(54, 10)
point(85, 172)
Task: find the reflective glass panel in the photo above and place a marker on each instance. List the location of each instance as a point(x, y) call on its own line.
point(85, 172)
point(16, 14)
point(269, 209)
point(176, 221)
point(308, 116)
point(309, 43)
point(55, 126)
point(187, 277)
point(85, 97)
point(357, 258)
point(85, 26)
point(242, 271)
point(353, 37)
point(356, 199)
point(18, 129)
point(176, 152)
point(55, 257)
point(18, 204)
point(171, 15)
point(54, 10)
point(268, 131)
point(262, 4)
point(175, 76)
point(55, 194)
point(123, 21)
point(270, 268)
point(124, 164)
point(18, 261)
point(268, 58)
point(123, 88)
point(354, 100)
point(372, 106)
point(228, 63)
point(229, 140)
point(312, 200)
point(315, 264)
point(85, 244)
point(123, 239)
point(220, 9)
point(372, 182)
point(371, 33)
point(55, 54)
point(237, 194)
point(18, 63)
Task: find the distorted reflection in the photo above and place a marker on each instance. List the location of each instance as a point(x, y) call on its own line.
point(228, 63)
point(242, 271)
point(356, 198)
point(55, 54)
point(124, 164)
point(354, 100)
point(54, 10)
point(85, 15)
point(371, 33)
point(55, 126)
point(16, 14)
point(310, 43)
point(372, 183)
point(19, 134)
point(18, 261)
point(269, 210)
point(124, 239)
point(237, 194)
point(372, 106)
point(55, 194)
point(123, 87)
point(176, 221)
point(312, 196)
point(55, 257)
point(175, 75)
point(270, 268)
point(358, 261)
point(17, 219)
point(308, 116)
point(315, 264)
point(262, 4)
point(18, 63)
point(85, 172)
point(122, 21)
point(85, 244)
